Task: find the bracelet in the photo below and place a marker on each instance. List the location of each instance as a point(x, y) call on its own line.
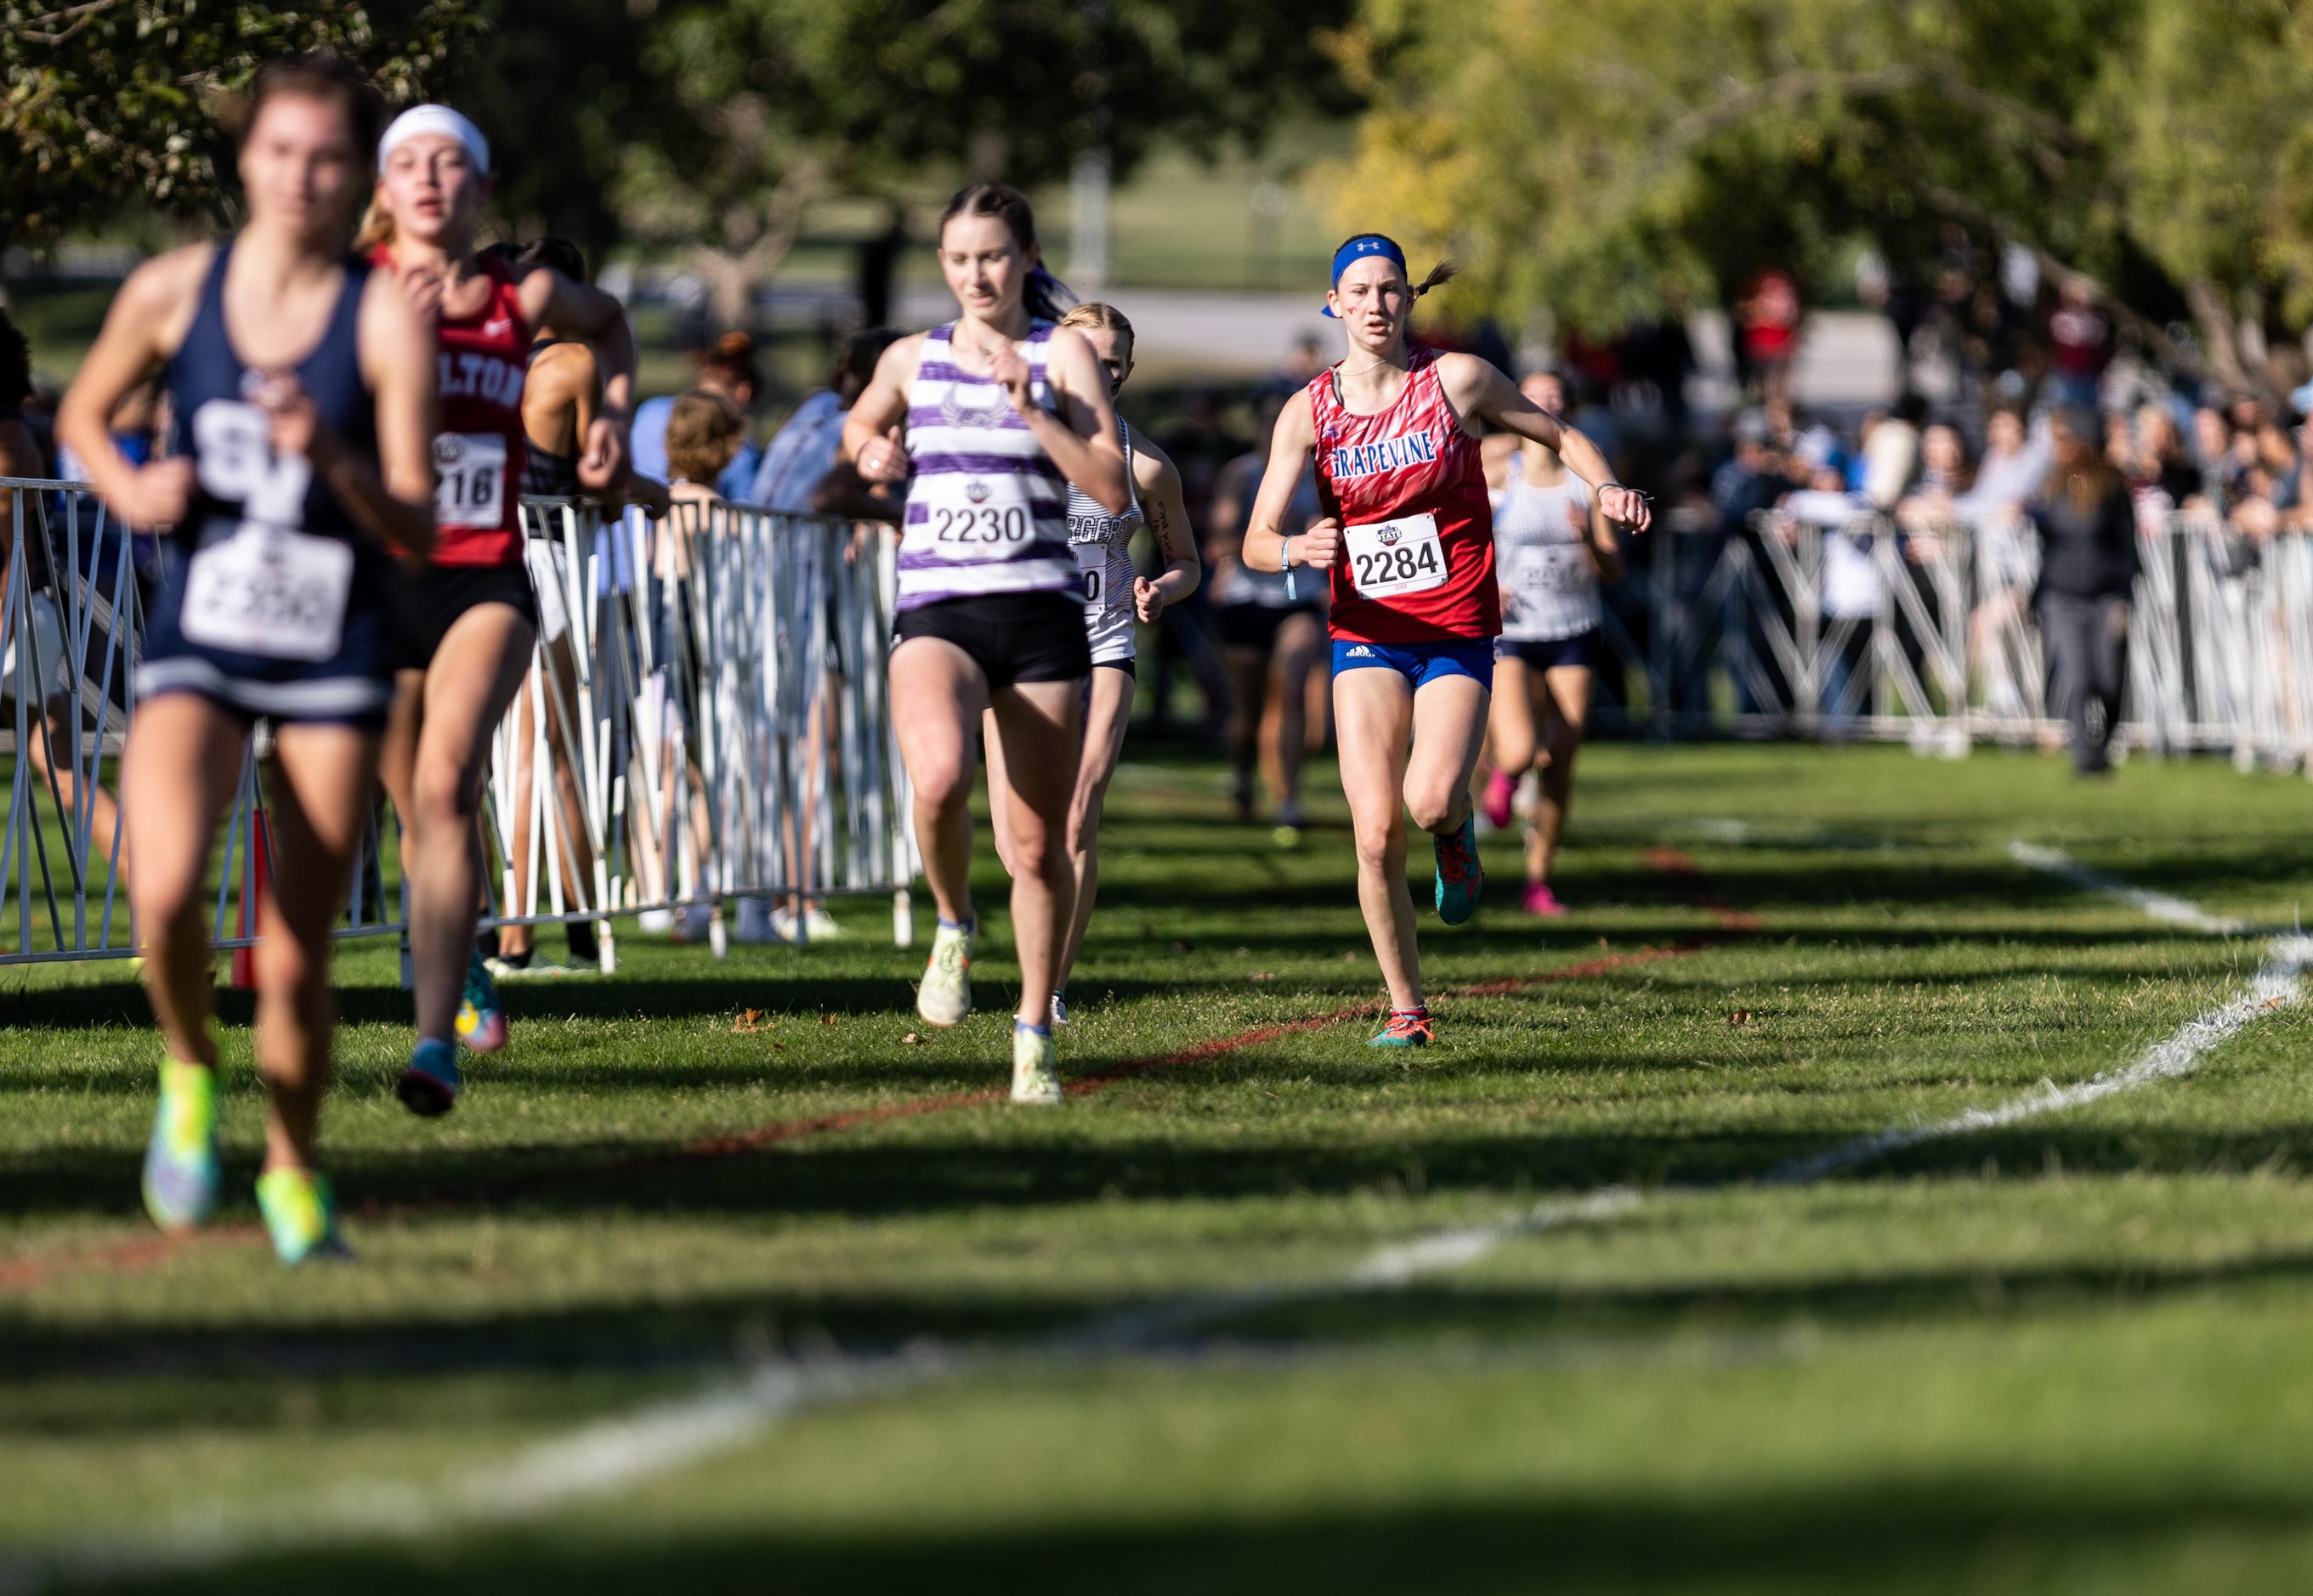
point(1285, 563)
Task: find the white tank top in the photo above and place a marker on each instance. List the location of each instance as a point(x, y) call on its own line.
point(1103, 545)
point(986, 508)
point(1550, 588)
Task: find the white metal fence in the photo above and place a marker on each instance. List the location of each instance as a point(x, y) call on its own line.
point(1926, 634)
point(704, 719)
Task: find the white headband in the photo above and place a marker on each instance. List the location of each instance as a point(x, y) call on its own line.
point(434, 119)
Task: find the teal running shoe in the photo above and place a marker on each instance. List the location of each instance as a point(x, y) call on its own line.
point(1404, 1031)
point(182, 1166)
point(301, 1214)
point(481, 1018)
point(1460, 877)
point(430, 1084)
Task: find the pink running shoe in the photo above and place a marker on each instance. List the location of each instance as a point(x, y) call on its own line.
point(1500, 790)
point(1541, 900)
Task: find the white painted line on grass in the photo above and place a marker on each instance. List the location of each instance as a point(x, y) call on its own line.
point(613, 1454)
point(2160, 906)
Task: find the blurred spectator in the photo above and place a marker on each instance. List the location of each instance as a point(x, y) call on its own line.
point(704, 433)
point(798, 473)
point(2212, 452)
point(2088, 566)
point(1891, 454)
point(2080, 343)
point(728, 369)
point(1944, 476)
point(1752, 479)
point(1767, 332)
point(2158, 463)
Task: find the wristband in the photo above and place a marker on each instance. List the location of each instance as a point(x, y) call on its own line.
point(1285, 563)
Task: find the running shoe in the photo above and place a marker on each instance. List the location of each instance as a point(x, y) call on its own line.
point(1035, 1069)
point(1541, 900)
point(820, 927)
point(1404, 1031)
point(301, 1214)
point(1460, 877)
point(946, 996)
point(481, 1018)
point(1500, 790)
point(1060, 1009)
point(182, 1166)
point(1286, 836)
point(430, 1084)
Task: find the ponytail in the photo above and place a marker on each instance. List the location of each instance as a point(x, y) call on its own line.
point(1441, 273)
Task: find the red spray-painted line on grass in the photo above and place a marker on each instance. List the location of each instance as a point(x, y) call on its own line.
point(135, 1257)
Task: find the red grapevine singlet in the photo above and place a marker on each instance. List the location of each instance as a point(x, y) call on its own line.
point(481, 450)
point(1417, 557)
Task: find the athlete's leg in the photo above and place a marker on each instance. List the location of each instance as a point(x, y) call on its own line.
point(937, 692)
point(1106, 718)
point(1449, 728)
point(1248, 678)
point(177, 776)
point(999, 790)
point(468, 687)
point(1300, 645)
point(1563, 697)
point(1040, 725)
point(1511, 724)
point(319, 804)
point(51, 755)
point(1373, 708)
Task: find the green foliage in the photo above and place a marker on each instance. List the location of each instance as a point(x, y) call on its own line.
point(110, 105)
point(1608, 157)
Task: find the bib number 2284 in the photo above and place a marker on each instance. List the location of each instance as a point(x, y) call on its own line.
point(1389, 558)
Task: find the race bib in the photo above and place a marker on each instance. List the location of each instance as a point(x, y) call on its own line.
point(469, 478)
point(1092, 559)
point(268, 591)
point(1551, 570)
point(1388, 558)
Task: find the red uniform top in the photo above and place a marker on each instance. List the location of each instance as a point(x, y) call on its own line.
point(480, 450)
point(1417, 564)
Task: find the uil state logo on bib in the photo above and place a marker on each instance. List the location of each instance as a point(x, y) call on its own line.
point(976, 491)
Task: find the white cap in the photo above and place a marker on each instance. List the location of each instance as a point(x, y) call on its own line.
point(434, 119)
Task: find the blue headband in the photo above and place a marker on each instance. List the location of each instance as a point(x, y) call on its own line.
point(1361, 246)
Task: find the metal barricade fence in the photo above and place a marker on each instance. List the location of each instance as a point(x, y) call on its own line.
point(1924, 633)
point(705, 718)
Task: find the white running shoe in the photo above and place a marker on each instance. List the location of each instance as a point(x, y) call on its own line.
point(946, 996)
point(1035, 1070)
point(820, 927)
point(1059, 1010)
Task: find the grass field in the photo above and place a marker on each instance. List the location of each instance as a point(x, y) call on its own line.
point(673, 1303)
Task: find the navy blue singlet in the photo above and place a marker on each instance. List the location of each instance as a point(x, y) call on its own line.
point(273, 602)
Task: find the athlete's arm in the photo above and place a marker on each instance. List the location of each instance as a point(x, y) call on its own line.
point(550, 299)
point(393, 500)
point(1267, 547)
point(148, 320)
point(1605, 548)
point(1080, 435)
point(1477, 388)
point(1167, 512)
point(875, 439)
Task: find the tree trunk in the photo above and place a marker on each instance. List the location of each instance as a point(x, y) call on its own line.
point(732, 273)
point(2221, 332)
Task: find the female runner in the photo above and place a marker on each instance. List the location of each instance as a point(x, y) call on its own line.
point(303, 388)
point(1408, 545)
point(1115, 599)
point(1552, 547)
point(471, 615)
point(1002, 412)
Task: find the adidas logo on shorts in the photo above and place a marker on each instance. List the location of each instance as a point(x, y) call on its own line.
point(1361, 652)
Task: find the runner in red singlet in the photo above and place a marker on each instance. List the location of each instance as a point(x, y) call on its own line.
point(1407, 543)
point(472, 616)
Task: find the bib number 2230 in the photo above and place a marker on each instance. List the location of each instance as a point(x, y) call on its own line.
point(1389, 558)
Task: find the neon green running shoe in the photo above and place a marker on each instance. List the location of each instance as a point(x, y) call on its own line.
point(300, 1215)
point(1036, 1068)
point(946, 996)
point(181, 1167)
point(1460, 878)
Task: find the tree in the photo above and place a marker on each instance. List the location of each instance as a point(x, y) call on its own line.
point(758, 108)
point(110, 105)
point(1609, 157)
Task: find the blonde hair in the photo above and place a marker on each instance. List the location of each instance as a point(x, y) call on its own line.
point(1101, 317)
point(376, 231)
point(702, 435)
